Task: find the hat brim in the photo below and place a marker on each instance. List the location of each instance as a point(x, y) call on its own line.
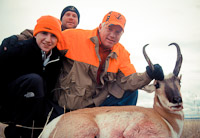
point(116, 23)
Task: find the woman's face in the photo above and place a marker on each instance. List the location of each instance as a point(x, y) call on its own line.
point(46, 41)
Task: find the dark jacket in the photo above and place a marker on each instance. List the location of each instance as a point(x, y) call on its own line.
point(26, 57)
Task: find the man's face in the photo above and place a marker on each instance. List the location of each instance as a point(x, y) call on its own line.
point(69, 20)
point(110, 35)
point(46, 41)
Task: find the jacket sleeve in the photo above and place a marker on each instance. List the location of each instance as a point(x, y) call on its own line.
point(128, 78)
point(20, 49)
point(134, 81)
point(131, 82)
point(125, 66)
point(26, 34)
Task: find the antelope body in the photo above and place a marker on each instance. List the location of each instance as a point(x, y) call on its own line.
point(164, 120)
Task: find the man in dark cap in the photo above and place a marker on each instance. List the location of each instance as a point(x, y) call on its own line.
point(69, 17)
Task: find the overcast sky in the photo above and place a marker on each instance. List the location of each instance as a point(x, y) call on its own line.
point(153, 22)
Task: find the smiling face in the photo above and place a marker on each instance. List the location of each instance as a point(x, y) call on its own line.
point(46, 41)
point(69, 20)
point(109, 35)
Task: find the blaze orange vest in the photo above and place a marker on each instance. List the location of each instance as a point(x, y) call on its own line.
point(81, 48)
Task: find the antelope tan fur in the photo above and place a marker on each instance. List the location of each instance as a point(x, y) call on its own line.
point(164, 120)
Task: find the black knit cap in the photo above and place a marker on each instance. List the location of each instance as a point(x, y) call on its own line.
point(70, 8)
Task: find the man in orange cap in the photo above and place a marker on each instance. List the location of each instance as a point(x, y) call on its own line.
point(29, 70)
point(97, 69)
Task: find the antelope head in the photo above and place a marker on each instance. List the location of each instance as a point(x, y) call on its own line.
point(167, 91)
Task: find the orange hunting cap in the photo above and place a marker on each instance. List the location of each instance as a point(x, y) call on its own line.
point(115, 18)
point(48, 24)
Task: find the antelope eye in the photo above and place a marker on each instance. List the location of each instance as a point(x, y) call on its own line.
point(157, 85)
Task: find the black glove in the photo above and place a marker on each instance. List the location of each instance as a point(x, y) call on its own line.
point(9, 41)
point(157, 74)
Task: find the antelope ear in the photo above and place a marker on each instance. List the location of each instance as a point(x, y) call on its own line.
point(149, 88)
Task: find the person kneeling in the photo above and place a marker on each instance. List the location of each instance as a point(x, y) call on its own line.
point(28, 73)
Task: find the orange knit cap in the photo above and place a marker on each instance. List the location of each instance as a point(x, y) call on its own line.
point(115, 18)
point(48, 24)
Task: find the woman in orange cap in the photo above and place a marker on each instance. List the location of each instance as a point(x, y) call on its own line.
point(29, 70)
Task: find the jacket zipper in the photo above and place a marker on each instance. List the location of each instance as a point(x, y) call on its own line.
point(55, 60)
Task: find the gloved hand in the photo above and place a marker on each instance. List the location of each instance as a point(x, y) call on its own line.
point(25, 35)
point(157, 74)
point(11, 41)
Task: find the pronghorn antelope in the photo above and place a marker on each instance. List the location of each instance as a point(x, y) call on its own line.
point(164, 120)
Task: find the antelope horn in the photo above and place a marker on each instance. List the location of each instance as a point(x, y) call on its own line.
point(178, 61)
point(147, 58)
